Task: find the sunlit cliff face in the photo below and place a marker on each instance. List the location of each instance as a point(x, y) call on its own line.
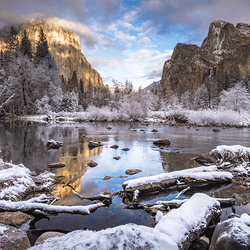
point(64, 47)
point(76, 158)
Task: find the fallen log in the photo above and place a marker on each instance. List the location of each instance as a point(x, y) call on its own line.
point(188, 177)
point(31, 206)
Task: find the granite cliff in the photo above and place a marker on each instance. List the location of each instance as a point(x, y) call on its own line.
point(64, 47)
point(222, 60)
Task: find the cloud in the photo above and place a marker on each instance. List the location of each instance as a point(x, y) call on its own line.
point(144, 40)
point(104, 63)
point(154, 74)
point(88, 36)
point(191, 18)
point(124, 36)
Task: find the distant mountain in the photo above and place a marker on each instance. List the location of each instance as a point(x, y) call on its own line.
point(222, 60)
point(153, 86)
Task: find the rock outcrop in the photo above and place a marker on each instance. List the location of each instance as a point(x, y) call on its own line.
point(222, 60)
point(64, 47)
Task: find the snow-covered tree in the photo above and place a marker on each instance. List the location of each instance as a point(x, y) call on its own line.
point(236, 98)
point(201, 97)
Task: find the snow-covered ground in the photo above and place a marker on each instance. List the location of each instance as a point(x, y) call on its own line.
point(198, 117)
point(170, 233)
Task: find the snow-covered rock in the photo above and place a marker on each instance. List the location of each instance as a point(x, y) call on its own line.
point(234, 153)
point(128, 237)
point(185, 224)
point(17, 180)
point(232, 234)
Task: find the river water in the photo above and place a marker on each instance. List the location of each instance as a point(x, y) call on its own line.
point(25, 142)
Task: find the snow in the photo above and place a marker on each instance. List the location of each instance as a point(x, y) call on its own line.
point(245, 218)
point(170, 232)
point(234, 153)
point(189, 217)
point(31, 205)
point(200, 173)
point(15, 180)
point(158, 216)
point(2, 229)
point(129, 236)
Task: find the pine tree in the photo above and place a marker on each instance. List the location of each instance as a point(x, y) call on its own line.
point(25, 46)
point(42, 48)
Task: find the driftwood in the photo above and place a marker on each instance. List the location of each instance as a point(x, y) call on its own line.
point(32, 207)
point(166, 206)
point(105, 198)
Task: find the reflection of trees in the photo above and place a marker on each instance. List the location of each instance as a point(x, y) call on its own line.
point(176, 161)
point(20, 144)
point(76, 157)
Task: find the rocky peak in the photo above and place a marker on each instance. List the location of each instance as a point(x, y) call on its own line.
point(225, 52)
point(224, 38)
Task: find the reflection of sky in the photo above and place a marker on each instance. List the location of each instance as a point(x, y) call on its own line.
point(142, 155)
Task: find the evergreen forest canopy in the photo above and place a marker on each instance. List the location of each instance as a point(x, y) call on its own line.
point(30, 84)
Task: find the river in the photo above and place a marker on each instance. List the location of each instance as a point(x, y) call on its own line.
point(25, 142)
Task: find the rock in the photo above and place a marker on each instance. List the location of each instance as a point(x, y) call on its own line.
point(125, 149)
point(162, 142)
point(117, 157)
point(132, 171)
point(92, 164)
point(154, 130)
point(15, 219)
point(56, 165)
point(13, 238)
point(83, 135)
point(142, 130)
point(52, 144)
point(231, 234)
point(114, 146)
point(222, 59)
point(216, 130)
point(94, 144)
point(47, 235)
point(108, 128)
point(201, 244)
point(204, 160)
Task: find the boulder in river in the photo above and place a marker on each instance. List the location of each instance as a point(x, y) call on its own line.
point(56, 165)
point(231, 234)
point(94, 144)
point(132, 171)
point(125, 149)
point(15, 219)
point(92, 164)
point(47, 235)
point(216, 130)
point(162, 142)
point(154, 130)
point(117, 157)
point(204, 160)
point(114, 146)
point(13, 238)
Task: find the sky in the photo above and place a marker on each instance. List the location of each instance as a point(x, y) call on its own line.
point(129, 39)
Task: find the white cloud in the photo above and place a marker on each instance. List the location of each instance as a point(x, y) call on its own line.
point(124, 36)
point(144, 40)
point(104, 63)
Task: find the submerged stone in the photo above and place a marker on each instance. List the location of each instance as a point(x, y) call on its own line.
point(92, 164)
point(162, 142)
point(132, 171)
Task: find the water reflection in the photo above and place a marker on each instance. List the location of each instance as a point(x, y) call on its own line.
point(26, 143)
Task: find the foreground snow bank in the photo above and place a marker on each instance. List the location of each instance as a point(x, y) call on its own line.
point(190, 219)
point(128, 237)
point(234, 153)
point(199, 173)
point(17, 180)
point(175, 230)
